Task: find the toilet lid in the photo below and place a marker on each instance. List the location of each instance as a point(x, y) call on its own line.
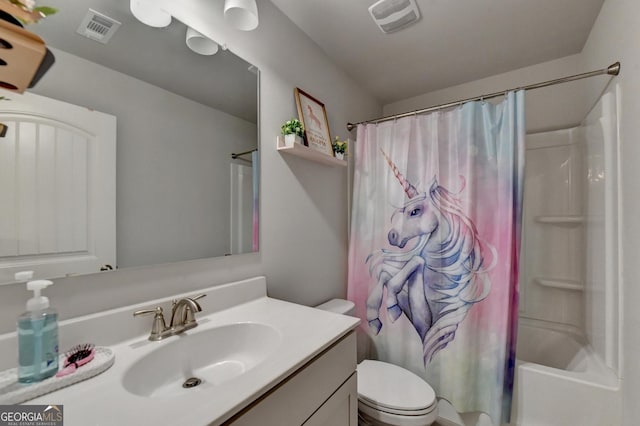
point(394, 388)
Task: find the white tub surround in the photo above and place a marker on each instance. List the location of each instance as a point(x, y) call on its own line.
point(568, 369)
point(297, 335)
point(552, 268)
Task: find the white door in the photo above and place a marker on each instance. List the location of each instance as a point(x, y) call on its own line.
point(57, 186)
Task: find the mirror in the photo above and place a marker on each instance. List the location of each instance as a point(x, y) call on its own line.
point(180, 117)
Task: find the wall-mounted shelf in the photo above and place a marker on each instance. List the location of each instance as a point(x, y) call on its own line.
point(308, 153)
point(561, 284)
point(560, 220)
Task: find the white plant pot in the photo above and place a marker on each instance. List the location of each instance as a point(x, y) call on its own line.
point(289, 140)
point(340, 155)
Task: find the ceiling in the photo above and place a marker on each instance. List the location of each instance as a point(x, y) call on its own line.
point(158, 56)
point(454, 42)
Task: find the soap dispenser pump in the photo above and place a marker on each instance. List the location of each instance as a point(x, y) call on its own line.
point(37, 334)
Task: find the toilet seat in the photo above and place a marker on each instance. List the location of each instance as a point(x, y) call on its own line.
point(398, 412)
point(372, 416)
point(391, 389)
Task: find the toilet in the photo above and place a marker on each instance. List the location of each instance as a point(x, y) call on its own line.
point(388, 395)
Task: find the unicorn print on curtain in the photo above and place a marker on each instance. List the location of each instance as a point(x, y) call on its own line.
point(433, 254)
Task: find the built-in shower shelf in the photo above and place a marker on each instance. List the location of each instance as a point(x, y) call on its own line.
point(309, 153)
point(571, 285)
point(560, 220)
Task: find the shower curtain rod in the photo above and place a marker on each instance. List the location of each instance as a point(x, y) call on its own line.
point(235, 156)
point(613, 69)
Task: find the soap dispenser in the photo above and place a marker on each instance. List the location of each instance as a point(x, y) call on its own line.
point(37, 334)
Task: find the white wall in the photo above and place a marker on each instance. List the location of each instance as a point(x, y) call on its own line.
point(616, 36)
point(303, 224)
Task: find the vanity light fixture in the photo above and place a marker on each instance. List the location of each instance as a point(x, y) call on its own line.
point(242, 14)
point(148, 13)
point(394, 15)
point(199, 43)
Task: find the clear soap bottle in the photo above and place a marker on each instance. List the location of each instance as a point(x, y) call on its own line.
point(37, 335)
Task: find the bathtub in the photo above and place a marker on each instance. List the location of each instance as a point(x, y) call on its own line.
point(560, 381)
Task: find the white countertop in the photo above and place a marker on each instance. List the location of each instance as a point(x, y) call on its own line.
point(102, 400)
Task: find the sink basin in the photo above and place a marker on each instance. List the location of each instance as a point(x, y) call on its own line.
point(201, 359)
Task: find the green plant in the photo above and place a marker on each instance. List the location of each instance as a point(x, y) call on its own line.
point(339, 147)
point(293, 127)
point(30, 11)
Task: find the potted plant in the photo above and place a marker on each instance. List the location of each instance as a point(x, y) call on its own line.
point(339, 148)
point(30, 56)
point(293, 132)
point(20, 12)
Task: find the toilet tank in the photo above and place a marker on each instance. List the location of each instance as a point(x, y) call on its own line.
point(339, 306)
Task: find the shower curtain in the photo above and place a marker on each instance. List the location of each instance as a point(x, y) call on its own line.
point(433, 253)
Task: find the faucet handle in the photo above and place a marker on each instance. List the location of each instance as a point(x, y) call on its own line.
point(174, 302)
point(159, 326)
point(200, 296)
point(157, 310)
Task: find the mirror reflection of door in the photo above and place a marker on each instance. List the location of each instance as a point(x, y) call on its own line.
point(57, 183)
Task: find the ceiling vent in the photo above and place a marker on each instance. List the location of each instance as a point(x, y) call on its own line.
point(393, 15)
point(98, 27)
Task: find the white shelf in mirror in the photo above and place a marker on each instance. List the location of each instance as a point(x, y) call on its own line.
point(561, 219)
point(561, 284)
point(304, 151)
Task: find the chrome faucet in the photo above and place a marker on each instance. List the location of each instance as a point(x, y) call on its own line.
point(182, 318)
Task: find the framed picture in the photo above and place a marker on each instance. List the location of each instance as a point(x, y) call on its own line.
point(314, 119)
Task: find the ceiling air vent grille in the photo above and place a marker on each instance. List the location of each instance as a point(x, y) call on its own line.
point(393, 15)
point(98, 27)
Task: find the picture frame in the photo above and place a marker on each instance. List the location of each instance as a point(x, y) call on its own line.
point(313, 115)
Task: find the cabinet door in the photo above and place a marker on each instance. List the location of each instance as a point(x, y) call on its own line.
point(299, 397)
point(341, 409)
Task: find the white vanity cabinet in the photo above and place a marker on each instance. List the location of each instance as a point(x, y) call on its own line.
point(323, 392)
point(299, 365)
